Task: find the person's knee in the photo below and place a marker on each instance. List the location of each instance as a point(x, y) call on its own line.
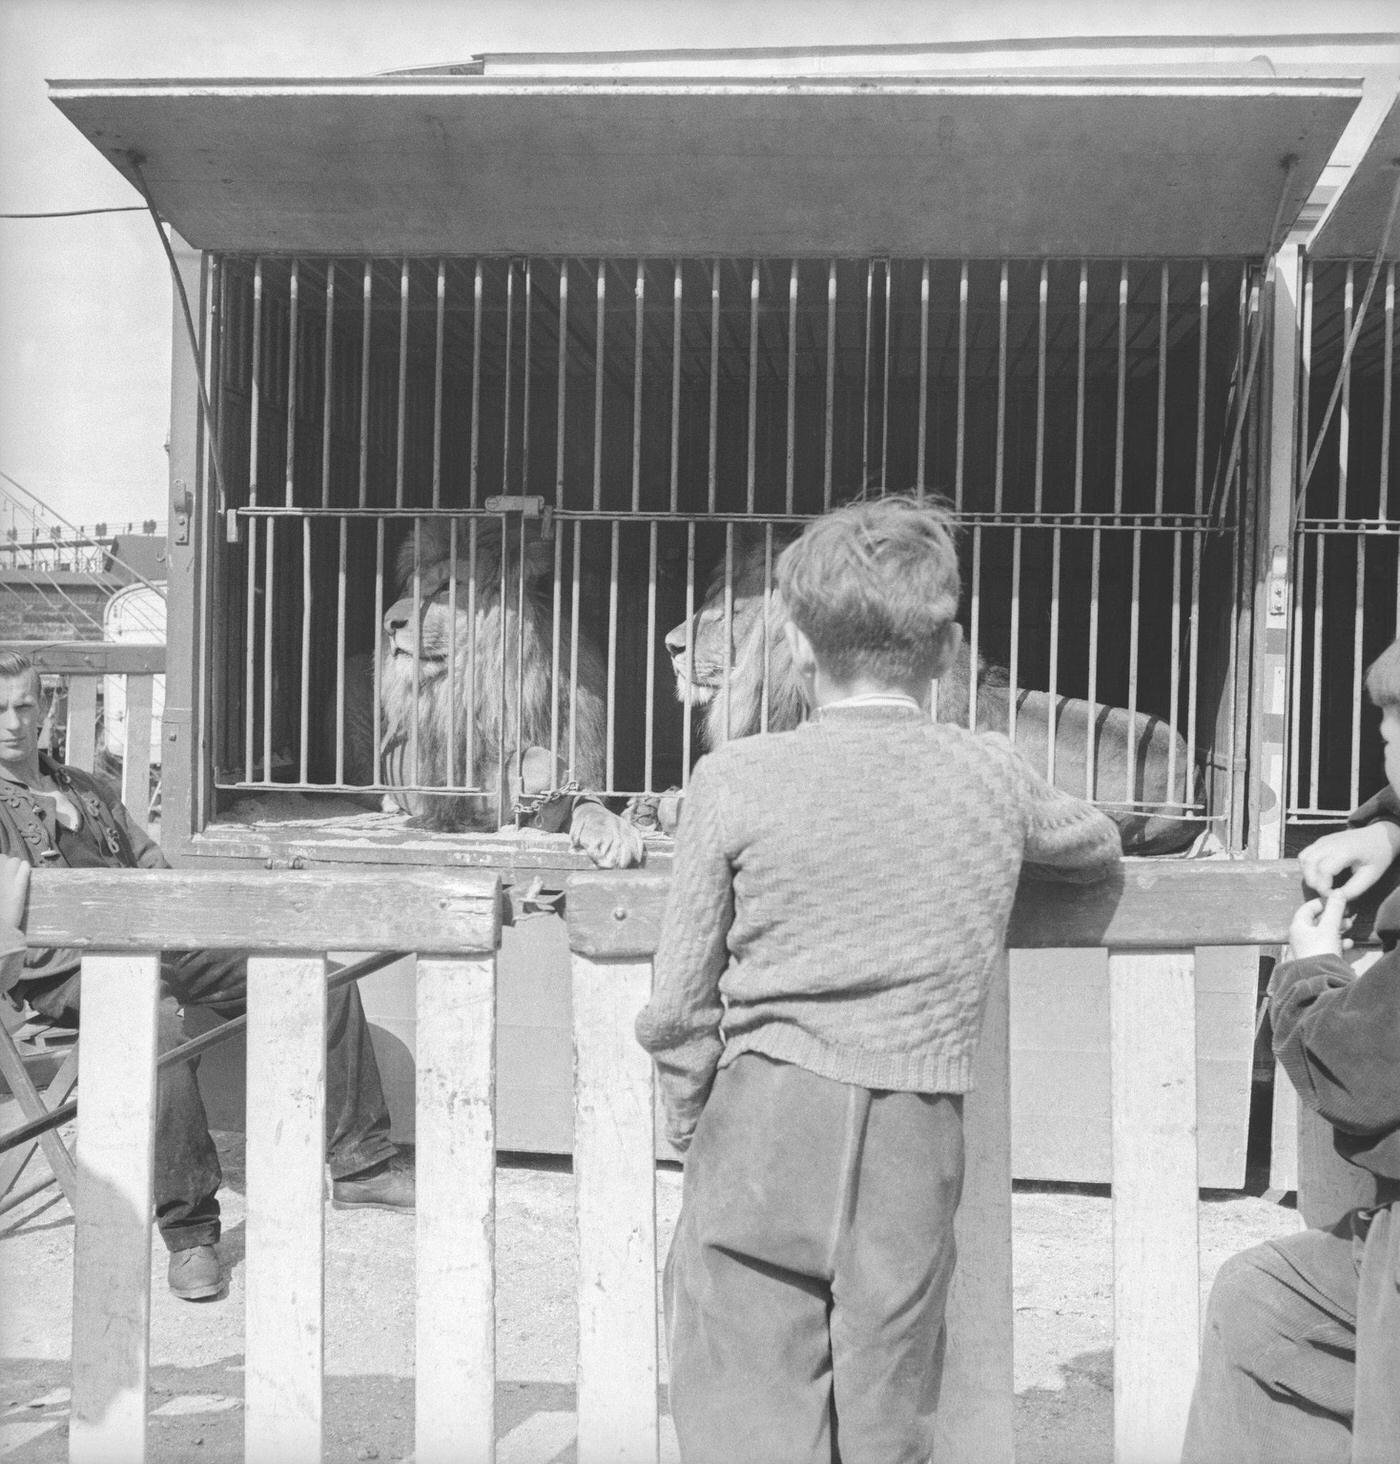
point(1239, 1315)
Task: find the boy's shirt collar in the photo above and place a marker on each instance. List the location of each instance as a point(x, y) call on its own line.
point(872, 707)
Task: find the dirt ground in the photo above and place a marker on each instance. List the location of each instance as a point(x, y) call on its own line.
point(1063, 1299)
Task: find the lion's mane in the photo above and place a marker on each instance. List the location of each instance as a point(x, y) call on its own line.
point(468, 704)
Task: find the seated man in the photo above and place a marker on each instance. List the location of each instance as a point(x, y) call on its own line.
point(58, 816)
point(1300, 1363)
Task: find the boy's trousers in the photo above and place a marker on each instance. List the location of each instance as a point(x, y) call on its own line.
point(1300, 1363)
point(806, 1283)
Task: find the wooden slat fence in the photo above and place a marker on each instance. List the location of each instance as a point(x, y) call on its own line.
point(83, 666)
point(1152, 921)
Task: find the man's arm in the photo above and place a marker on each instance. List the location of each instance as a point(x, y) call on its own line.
point(680, 1025)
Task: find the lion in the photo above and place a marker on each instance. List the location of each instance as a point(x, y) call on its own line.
point(756, 689)
point(474, 677)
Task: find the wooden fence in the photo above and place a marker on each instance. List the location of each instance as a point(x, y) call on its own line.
point(84, 665)
point(1152, 922)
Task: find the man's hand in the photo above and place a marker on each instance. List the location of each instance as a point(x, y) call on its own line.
point(1318, 928)
point(1367, 852)
point(14, 891)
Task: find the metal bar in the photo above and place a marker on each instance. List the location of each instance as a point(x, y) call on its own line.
point(1014, 669)
point(791, 445)
point(1094, 585)
point(471, 773)
point(639, 328)
point(1358, 668)
point(751, 426)
point(402, 407)
point(677, 299)
point(419, 614)
point(438, 327)
point(366, 335)
point(454, 776)
point(1079, 387)
point(1174, 696)
point(1344, 415)
point(1134, 632)
point(689, 650)
point(648, 751)
point(478, 309)
point(714, 382)
point(269, 612)
point(1163, 319)
point(1041, 348)
point(1315, 747)
point(556, 625)
point(921, 461)
point(255, 381)
point(327, 393)
point(1387, 394)
point(1193, 673)
point(250, 631)
point(1305, 379)
point(763, 703)
point(830, 382)
point(962, 392)
point(865, 391)
point(507, 382)
point(1053, 679)
point(305, 720)
point(598, 367)
point(728, 624)
point(1120, 410)
point(562, 370)
point(293, 323)
point(1003, 313)
point(1295, 662)
point(525, 364)
point(519, 753)
point(340, 587)
point(573, 647)
point(885, 391)
point(501, 587)
point(376, 699)
point(975, 627)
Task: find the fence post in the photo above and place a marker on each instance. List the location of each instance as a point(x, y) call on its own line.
point(1156, 1250)
point(455, 1324)
point(112, 1245)
point(285, 1264)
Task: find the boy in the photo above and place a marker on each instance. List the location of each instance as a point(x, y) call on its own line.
point(840, 895)
point(1300, 1362)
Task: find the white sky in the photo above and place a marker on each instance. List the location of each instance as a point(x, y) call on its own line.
point(85, 303)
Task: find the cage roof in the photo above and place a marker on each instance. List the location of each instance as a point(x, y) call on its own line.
point(883, 165)
point(1353, 226)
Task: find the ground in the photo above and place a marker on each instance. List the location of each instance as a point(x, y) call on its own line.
point(1063, 1304)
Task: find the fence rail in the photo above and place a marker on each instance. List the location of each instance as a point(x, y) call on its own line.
point(1153, 919)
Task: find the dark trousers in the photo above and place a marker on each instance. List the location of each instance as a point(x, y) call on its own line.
point(187, 1173)
point(1279, 1379)
point(807, 1280)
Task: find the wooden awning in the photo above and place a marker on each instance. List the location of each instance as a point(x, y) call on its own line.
point(882, 165)
point(1355, 220)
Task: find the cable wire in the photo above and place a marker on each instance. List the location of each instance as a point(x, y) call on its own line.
point(78, 213)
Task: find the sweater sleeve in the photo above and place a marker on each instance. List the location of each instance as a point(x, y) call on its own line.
point(680, 1025)
point(1338, 1037)
point(1383, 808)
point(1067, 838)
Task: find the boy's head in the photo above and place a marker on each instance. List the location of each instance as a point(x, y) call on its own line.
point(874, 587)
point(1383, 687)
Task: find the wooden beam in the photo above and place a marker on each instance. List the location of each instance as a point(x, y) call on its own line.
point(1147, 905)
point(445, 912)
point(90, 658)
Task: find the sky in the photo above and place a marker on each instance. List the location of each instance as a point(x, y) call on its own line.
point(85, 303)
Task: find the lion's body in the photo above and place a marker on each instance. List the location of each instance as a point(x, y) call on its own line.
point(1101, 752)
point(467, 682)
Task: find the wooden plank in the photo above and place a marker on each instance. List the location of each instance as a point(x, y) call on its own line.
point(89, 658)
point(112, 1242)
point(136, 763)
point(1156, 1255)
point(1247, 902)
point(1283, 1134)
point(974, 1423)
point(455, 1376)
point(430, 910)
point(285, 1261)
point(615, 1182)
point(81, 747)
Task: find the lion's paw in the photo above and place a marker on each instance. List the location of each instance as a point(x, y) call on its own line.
point(655, 813)
point(605, 838)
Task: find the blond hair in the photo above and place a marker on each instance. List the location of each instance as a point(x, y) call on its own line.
point(873, 585)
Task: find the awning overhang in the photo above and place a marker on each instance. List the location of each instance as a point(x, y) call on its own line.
point(1355, 221)
point(899, 166)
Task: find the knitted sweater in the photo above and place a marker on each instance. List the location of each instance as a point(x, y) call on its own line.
point(839, 897)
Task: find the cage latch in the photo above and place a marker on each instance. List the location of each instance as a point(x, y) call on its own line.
point(527, 505)
point(1278, 582)
point(181, 511)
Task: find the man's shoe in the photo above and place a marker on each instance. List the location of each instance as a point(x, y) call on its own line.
point(195, 1273)
point(386, 1186)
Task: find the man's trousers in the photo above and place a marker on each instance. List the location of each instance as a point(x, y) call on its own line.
point(187, 1173)
point(807, 1280)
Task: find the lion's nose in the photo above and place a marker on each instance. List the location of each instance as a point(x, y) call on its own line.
point(676, 639)
point(397, 616)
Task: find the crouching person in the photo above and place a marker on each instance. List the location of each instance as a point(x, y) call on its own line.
point(60, 817)
point(1300, 1362)
point(840, 896)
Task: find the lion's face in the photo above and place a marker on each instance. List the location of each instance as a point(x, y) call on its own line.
point(434, 629)
point(722, 639)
